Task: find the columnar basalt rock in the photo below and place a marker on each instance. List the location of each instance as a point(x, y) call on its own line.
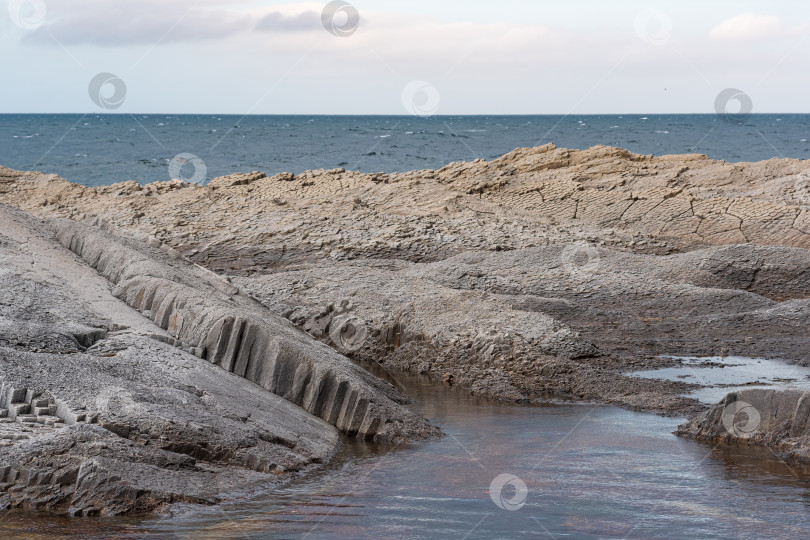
point(216, 321)
point(545, 273)
point(23, 406)
point(104, 412)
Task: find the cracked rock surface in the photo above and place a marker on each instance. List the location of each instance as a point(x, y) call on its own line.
point(546, 273)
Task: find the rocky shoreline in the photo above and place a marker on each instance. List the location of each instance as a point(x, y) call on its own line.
point(547, 274)
point(776, 419)
point(121, 392)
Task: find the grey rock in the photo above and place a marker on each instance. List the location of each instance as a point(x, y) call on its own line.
point(204, 312)
point(103, 412)
point(779, 419)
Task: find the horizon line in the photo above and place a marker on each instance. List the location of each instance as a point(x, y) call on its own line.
point(397, 115)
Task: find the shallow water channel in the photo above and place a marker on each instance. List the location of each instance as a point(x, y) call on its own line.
point(589, 472)
point(720, 375)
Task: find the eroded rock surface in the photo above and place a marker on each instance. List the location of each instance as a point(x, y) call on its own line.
point(779, 419)
point(102, 411)
point(214, 320)
point(545, 273)
point(526, 198)
point(494, 321)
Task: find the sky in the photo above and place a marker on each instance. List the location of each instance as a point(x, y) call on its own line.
point(403, 57)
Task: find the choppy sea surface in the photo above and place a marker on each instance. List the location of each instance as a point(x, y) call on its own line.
point(103, 149)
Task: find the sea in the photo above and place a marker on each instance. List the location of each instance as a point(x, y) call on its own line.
point(94, 149)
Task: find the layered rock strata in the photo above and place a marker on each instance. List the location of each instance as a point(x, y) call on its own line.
point(544, 274)
point(102, 411)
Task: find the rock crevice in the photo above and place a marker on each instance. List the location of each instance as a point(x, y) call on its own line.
point(238, 334)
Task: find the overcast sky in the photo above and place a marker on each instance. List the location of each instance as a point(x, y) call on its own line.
point(488, 57)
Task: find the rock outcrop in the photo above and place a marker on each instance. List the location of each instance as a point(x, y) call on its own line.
point(779, 419)
point(210, 318)
point(103, 411)
point(544, 274)
point(526, 198)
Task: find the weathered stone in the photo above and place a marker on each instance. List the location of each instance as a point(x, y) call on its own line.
point(130, 422)
point(776, 418)
point(544, 273)
point(260, 344)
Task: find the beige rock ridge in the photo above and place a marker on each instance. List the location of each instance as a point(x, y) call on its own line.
point(685, 201)
point(544, 272)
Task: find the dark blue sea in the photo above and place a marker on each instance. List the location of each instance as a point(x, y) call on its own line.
point(103, 149)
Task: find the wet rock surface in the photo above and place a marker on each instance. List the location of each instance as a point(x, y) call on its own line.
point(779, 419)
point(545, 274)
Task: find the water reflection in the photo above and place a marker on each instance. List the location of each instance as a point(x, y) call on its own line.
point(591, 472)
point(720, 375)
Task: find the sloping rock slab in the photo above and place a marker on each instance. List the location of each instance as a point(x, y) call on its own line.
point(214, 320)
point(779, 419)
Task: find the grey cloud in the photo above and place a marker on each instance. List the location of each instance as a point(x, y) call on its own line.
point(278, 22)
point(145, 22)
point(124, 33)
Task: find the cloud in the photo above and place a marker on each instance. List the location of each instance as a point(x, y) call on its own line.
point(282, 22)
point(283, 59)
point(146, 22)
point(750, 27)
